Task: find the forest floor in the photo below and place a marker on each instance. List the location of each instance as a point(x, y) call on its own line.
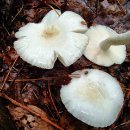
point(30, 97)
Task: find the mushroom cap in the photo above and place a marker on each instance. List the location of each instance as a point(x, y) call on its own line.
point(115, 54)
point(95, 98)
point(40, 44)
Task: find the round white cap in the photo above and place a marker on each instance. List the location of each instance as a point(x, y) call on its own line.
point(95, 98)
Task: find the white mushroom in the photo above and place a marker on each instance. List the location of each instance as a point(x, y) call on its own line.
point(56, 36)
point(105, 46)
point(95, 98)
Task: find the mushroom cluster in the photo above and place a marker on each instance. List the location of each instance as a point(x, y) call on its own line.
point(95, 97)
point(65, 36)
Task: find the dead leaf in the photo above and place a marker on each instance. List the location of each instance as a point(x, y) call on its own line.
point(28, 121)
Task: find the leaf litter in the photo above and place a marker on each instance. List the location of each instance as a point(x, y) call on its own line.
point(42, 93)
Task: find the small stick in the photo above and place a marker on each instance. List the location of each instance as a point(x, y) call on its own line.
point(122, 124)
point(26, 80)
point(6, 29)
point(54, 9)
point(18, 72)
point(18, 12)
point(43, 78)
point(31, 111)
point(48, 109)
point(8, 74)
point(127, 89)
point(52, 99)
point(74, 75)
point(120, 6)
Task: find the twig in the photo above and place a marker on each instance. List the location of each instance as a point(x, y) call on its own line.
point(53, 9)
point(19, 71)
point(43, 78)
point(18, 12)
point(35, 94)
point(122, 124)
point(53, 103)
point(48, 109)
point(127, 89)
point(120, 6)
point(89, 7)
point(5, 79)
point(6, 29)
point(26, 80)
point(97, 6)
point(74, 75)
point(32, 111)
point(23, 88)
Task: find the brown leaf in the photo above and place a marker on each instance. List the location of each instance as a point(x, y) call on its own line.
point(17, 112)
point(28, 121)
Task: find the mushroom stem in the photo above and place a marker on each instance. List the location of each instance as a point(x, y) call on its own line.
point(119, 39)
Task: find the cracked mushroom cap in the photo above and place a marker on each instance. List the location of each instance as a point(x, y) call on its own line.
point(113, 55)
point(95, 98)
point(56, 36)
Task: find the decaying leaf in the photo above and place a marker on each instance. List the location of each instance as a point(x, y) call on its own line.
point(113, 13)
point(24, 119)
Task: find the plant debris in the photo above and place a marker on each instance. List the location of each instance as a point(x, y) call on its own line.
point(29, 85)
